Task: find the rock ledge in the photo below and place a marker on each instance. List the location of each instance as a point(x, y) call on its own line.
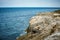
point(43, 26)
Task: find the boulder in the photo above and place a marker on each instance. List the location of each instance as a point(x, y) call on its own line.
point(44, 26)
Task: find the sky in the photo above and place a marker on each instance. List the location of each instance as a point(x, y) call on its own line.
point(29, 3)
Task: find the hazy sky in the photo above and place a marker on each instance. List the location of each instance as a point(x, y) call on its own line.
point(29, 3)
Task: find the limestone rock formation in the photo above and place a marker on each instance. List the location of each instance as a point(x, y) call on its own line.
point(55, 36)
point(44, 26)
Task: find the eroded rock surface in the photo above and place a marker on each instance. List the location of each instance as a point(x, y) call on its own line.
point(44, 26)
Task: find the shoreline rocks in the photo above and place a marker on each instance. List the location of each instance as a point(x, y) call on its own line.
point(42, 26)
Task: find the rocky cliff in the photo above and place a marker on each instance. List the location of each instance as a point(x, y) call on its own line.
point(43, 26)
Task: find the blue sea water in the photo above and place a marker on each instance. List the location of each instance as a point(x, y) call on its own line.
point(13, 21)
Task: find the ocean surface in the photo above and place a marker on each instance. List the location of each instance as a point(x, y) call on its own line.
point(14, 21)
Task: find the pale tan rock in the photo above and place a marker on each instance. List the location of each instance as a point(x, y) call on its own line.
point(55, 36)
point(43, 26)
